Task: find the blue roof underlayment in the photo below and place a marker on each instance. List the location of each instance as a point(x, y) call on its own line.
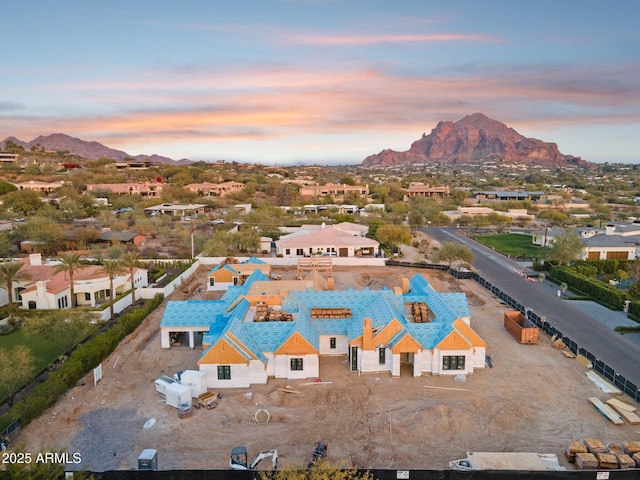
point(225, 318)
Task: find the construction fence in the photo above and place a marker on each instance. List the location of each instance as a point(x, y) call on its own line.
point(607, 372)
point(378, 475)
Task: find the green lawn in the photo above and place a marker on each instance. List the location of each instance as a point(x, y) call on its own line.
point(44, 351)
point(511, 244)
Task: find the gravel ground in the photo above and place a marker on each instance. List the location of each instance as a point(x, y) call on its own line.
point(107, 436)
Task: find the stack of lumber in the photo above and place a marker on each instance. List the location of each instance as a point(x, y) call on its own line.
point(572, 449)
point(606, 411)
point(625, 410)
point(636, 458)
point(631, 448)
point(625, 461)
point(262, 310)
point(594, 445)
point(615, 448)
point(586, 461)
point(607, 461)
point(420, 312)
point(330, 312)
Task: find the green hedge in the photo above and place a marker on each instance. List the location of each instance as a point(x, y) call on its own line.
point(80, 362)
point(600, 292)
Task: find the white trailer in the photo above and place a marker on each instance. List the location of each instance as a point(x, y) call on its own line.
point(522, 461)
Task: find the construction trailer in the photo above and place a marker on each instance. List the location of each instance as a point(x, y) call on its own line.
point(173, 393)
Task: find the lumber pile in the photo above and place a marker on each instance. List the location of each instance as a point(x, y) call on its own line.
point(420, 312)
point(631, 448)
point(636, 458)
point(330, 312)
point(607, 461)
point(625, 461)
point(606, 411)
point(594, 445)
point(572, 449)
point(586, 461)
point(625, 410)
point(615, 448)
point(208, 399)
point(266, 314)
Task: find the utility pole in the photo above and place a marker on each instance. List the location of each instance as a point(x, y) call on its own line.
point(192, 247)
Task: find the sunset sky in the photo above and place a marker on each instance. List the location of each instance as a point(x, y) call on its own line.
point(319, 81)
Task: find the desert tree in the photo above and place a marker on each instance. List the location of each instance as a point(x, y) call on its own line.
point(393, 236)
point(17, 369)
point(60, 327)
point(452, 252)
point(11, 272)
point(131, 260)
point(69, 264)
point(112, 268)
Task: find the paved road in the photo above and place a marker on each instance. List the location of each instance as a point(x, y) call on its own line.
point(610, 347)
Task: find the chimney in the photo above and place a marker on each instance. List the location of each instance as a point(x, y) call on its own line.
point(41, 289)
point(609, 229)
point(35, 259)
point(367, 335)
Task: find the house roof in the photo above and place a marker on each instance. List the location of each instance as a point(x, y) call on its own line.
point(329, 236)
point(226, 318)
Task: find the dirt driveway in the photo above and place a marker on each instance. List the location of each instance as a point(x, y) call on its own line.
point(533, 399)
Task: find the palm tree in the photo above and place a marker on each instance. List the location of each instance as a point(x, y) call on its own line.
point(130, 261)
point(11, 272)
point(112, 268)
point(69, 263)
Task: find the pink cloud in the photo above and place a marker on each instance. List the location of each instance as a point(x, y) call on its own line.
point(385, 38)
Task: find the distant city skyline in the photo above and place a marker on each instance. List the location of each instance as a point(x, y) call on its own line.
point(319, 81)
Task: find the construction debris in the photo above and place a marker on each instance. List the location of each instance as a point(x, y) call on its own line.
point(602, 384)
point(286, 390)
point(619, 404)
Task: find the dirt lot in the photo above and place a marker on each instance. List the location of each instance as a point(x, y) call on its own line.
point(533, 399)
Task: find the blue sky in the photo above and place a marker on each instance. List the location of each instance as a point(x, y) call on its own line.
point(329, 82)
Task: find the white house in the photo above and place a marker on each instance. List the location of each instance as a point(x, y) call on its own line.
point(48, 289)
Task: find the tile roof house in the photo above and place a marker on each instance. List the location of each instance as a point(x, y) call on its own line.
point(253, 333)
point(47, 289)
point(341, 240)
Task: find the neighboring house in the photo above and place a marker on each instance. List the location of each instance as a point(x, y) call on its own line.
point(621, 241)
point(256, 332)
point(221, 277)
point(341, 240)
point(36, 186)
point(338, 192)
point(128, 237)
point(419, 189)
point(616, 241)
point(207, 189)
point(144, 189)
point(176, 209)
point(47, 289)
point(514, 214)
point(503, 195)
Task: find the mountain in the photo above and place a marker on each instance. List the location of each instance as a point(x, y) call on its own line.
point(475, 138)
point(84, 149)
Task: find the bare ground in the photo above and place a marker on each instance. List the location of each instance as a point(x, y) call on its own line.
point(533, 399)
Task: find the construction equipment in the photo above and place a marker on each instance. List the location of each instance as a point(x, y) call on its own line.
point(318, 454)
point(238, 460)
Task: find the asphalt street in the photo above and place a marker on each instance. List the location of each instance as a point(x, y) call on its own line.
point(607, 345)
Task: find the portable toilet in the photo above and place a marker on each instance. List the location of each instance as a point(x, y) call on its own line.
point(148, 459)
